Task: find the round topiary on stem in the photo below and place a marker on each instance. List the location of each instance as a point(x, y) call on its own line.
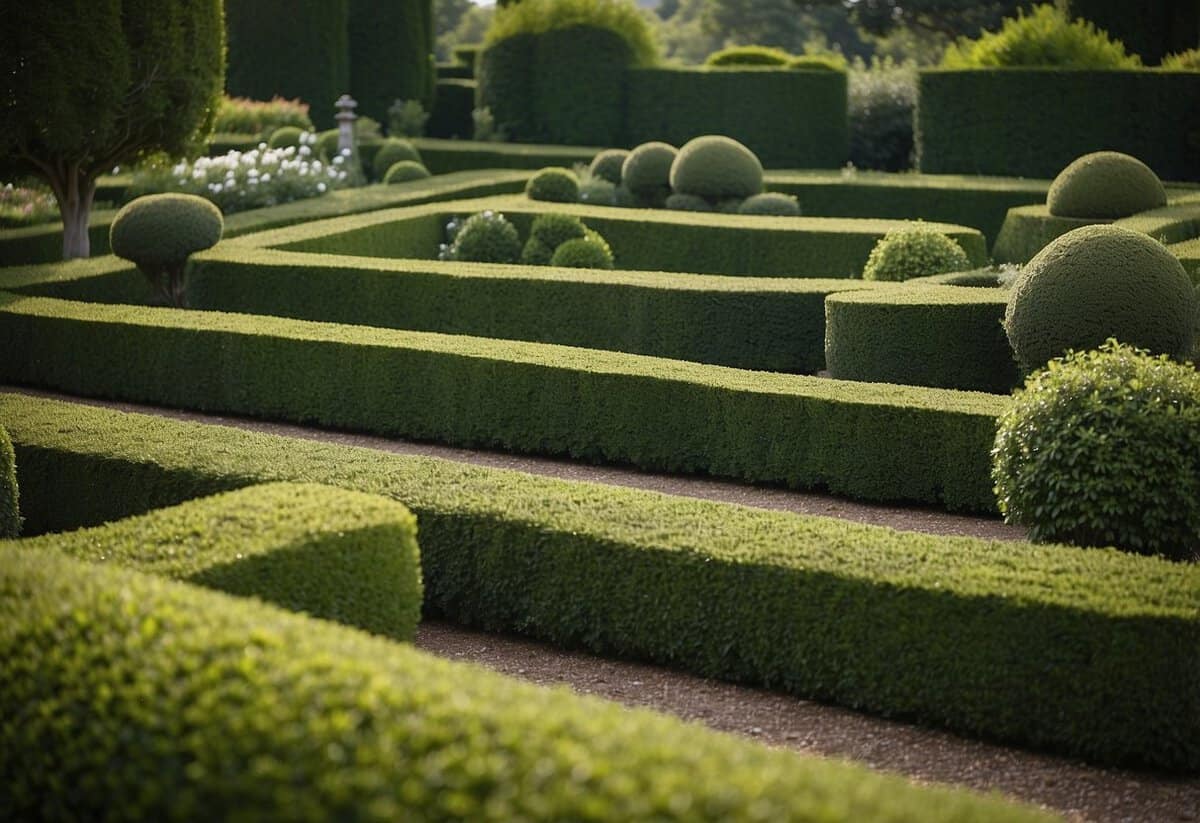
point(486, 237)
point(607, 165)
point(1102, 448)
point(391, 152)
point(771, 203)
point(284, 137)
point(646, 172)
point(590, 252)
point(1098, 282)
point(159, 232)
point(914, 251)
point(716, 168)
point(405, 171)
point(1105, 185)
point(554, 184)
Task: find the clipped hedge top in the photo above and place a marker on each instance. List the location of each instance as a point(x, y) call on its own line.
point(1104, 581)
point(908, 180)
point(622, 17)
point(921, 294)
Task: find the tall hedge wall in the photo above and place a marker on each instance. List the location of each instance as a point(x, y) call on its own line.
point(293, 48)
point(1151, 28)
point(1033, 122)
point(391, 54)
point(791, 119)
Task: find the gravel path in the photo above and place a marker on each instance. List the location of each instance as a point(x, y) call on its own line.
point(1073, 788)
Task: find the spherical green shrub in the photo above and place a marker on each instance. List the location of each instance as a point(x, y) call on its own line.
point(391, 152)
point(646, 172)
point(748, 56)
point(10, 517)
point(589, 252)
point(1105, 184)
point(716, 168)
point(536, 253)
point(914, 251)
point(405, 171)
point(772, 202)
point(1046, 37)
point(1182, 61)
point(284, 136)
point(158, 232)
point(327, 144)
point(688, 202)
point(1103, 449)
point(730, 205)
point(554, 184)
point(607, 165)
point(486, 237)
point(1098, 282)
point(556, 229)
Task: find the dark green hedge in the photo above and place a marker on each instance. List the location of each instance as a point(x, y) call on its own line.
point(928, 445)
point(332, 553)
point(1029, 229)
point(292, 48)
point(767, 324)
point(946, 336)
point(790, 119)
point(1158, 28)
point(444, 156)
point(1083, 651)
point(1033, 122)
point(153, 699)
point(452, 107)
point(391, 54)
point(455, 71)
point(10, 511)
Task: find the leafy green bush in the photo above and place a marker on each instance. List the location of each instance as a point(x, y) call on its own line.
point(748, 56)
point(159, 231)
point(1098, 282)
point(1102, 448)
point(555, 184)
point(607, 165)
point(327, 144)
point(1105, 184)
point(405, 171)
point(239, 115)
point(771, 202)
point(285, 137)
point(646, 172)
point(407, 118)
point(1046, 37)
point(540, 16)
point(716, 168)
point(536, 253)
point(393, 150)
point(556, 229)
point(687, 202)
point(10, 513)
point(826, 61)
point(597, 191)
point(882, 101)
point(590, 252)
point(1183, 61)
point(915, 250)
point(486, 237)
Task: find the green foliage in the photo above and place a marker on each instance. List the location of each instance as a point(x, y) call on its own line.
point(1182, 61)
point(776, 203)
point(556, 229)
point(159, 232)
point(748, 56)
point(327, 144)
point(716, 167)
point(1159, 27)
point(590, 252)
point(391, 152)
point(921, 335)
point(536, 253)
point(1046, 37)
point(486, 237)
point(985, 637)
point(238, 115)
point(882, 103)
point(285, 136)
point(335, 554)
point(646, 172)
point(10, 498)
point(829, 61)
point(1102, 448)
point(1105, 184)
point(1029, 229)
point(555, 184)
point(596, 191)
point(390, 45)
point(536, 17)
point(607, 165)
point(1098, 282)
point(407, 118)
point(405, 171)
point(687, 202)
point(915, 250)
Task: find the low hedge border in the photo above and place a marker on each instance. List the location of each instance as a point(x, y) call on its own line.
point(1088, 652)
point(1188, 253)
point(951, 337)
point(333, 553)
point(641, 239)
point(770, 324)
point(43, 244)
point(10, 511)
point(926, 445)
point(106, 279)
point(183, 702)
point(446, 156)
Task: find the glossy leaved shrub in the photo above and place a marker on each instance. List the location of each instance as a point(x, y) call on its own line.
point(914, 251)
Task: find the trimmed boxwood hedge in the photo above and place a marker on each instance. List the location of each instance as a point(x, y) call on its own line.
point(771, 324)
point(1083, 651)
point(155, 699)
point(925, 444)
point(445, 156)
point(10, 512)
point(922, 335)
point(1036, 121)
point(333, 553)
point(391, 54)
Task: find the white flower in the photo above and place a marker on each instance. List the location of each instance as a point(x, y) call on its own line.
point(262, 146)
point(344, 152)
point(305, 151)
point(266, 178)
point(337, 161)
point(253, 181)
point(321, 188)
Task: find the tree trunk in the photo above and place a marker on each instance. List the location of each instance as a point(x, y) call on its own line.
point(75, 195)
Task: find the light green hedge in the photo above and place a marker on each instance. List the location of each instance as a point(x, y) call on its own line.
point(332, 553)
point(10, 498)
point(152, 699)
point(445, 156)
point(771, 324)
point(1081, 651)
point(922, 335)
point(886, 443)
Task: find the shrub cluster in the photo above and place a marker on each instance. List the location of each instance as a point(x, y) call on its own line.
point(259, 118)
point(915, 250)
point(1046, 37)
point(407, 118)
point(882, 98)
point(485, 237)
point(588, 252)
point(405, 171)
point(532, 17)
point(393, 150)
point(555, 184)
point(1183, 61)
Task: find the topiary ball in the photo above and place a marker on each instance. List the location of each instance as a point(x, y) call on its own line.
point(486, 237)
point(688, 202)
point(1104, 185)
point(1098, 282)
point(914, 251)
point(556, 229)
point(554, 184)
point(716, 168)
point(607, 165)
point(589, 252)
point(158, 232)
point(646, 172)
point(405, 171)
point(771, 203)
point(391, 152)
point(327, 144)
point(536, 253)
point(284, 136)
point(1103, 448)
